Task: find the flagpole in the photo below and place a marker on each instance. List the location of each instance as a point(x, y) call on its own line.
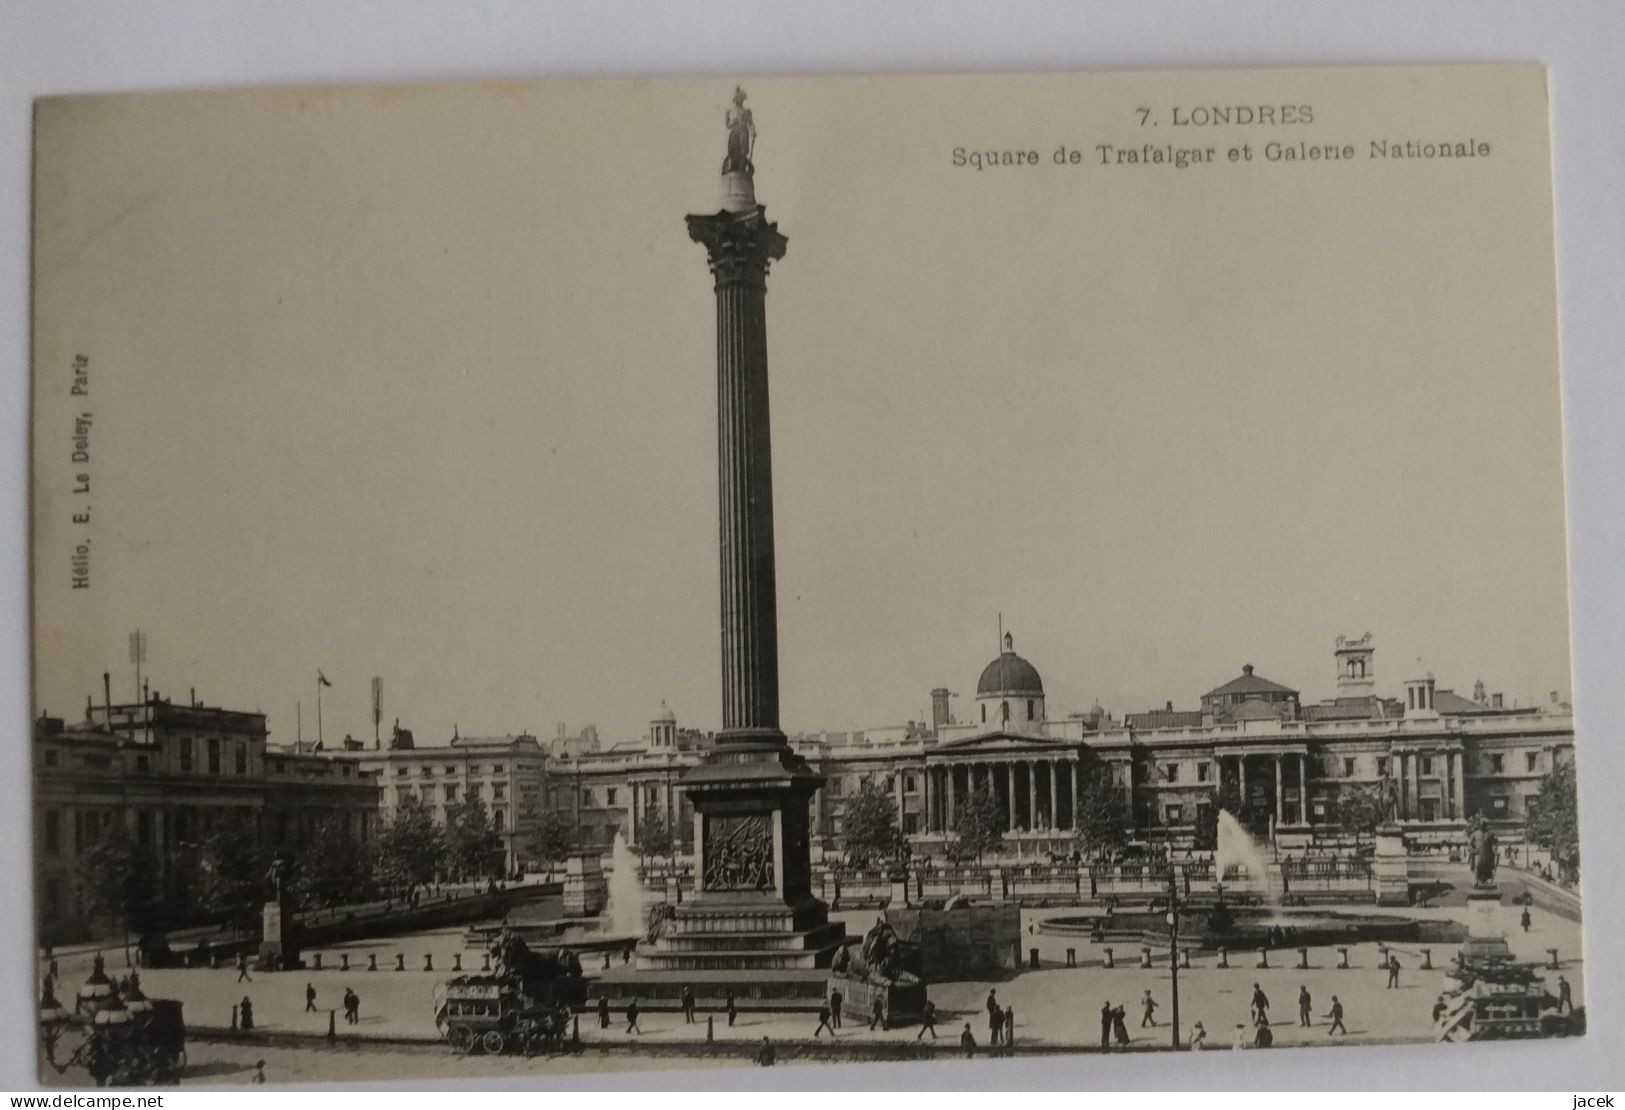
point(299, 725)
point(318, 708)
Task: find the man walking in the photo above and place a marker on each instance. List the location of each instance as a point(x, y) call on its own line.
point(995, 1015)
point(632, 1018)
point(1393, 971)
point(836, 1001)
point(1305, 1007)
point(1336, 1014)
point(1565, 995)
point(733, 1007)
point(310, 999)
point(1261, 1004)
point(823, 1022)
point(1524, 919)
point(688, 1004)
point(1105, 1025)
point(1148, 1006)
point(603, 1011)
point(1009, 1029)
point(1439, 1009)
point(242, 968)
point(877, 1014)
point(928, 1020)
point(967, 1041)
point(765, 1056)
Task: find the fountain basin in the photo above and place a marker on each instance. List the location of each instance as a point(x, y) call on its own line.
point(1260, 927)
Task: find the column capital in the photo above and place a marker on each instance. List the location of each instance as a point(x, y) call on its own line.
point(739, 245)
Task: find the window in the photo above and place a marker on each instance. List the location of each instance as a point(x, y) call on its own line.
point(496, 768)
point(1498, 806)
point(910, 784)
point(1531, 761)
point(1348, 768)
point(1319, 812)
point(427, 772)
point(1029, 709)
point(1497, 764)
point(1173, 814)
point(586, 795)
point(499, 791)
point(53, 832)
point(1202, 771)
point(609, 796)
point(499, 820)
point(451, 792)
point(214, 756)
point(142, 763)
point(241, 756)
point(473, 792)
point(1170, 772)
point(1004, 711)
point(1382, 765)
point(984, 714)
point(143, 828)
point(404, 795)
point(402, 771)
point(1425, 765)
point(50, 757)
point(185, 750)
point(451, 769)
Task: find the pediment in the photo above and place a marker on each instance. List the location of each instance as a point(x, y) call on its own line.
point(996, 743)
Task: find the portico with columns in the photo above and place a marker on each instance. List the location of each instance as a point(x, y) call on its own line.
point(1035, 782)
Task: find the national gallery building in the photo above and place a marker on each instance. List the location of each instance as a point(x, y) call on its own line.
point(1440, 757)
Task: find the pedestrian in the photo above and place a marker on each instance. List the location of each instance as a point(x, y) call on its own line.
point(245, 1014)
point(1264, 1036)
point(928, 1020)
point(1198, 1038)
point(1565, 995)
point(967, 1041)
point(1261, 1003)
point(242, 968)
point(1148, 1006)
point(733, 1007)
point(765, 1056)
point(1524, 919)
point(1393, 971)
point(877, 1014)
point(823, 1021)
point(1242, 1039)
point(1336, 1014)
point(310, 999)
point(1009, 1029)
point(632, 1017)
point(688, 1004)
point(1119, 1028)
point(259, 1072)
point(1305, 1007)
point(995, 1015)
point(603, 1011)
point(1439, 1009)
point(1105, 1025)
point(355, 1008)
point(836, 1001)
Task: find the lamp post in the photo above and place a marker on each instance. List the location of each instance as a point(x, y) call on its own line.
point(1173, 948)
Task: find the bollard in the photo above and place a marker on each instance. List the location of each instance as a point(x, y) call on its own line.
point(332, 1029)
point(1108, 962)
point(457, 961)
point(1263, 957)
point(710, 1027)
point(1145, 956)
point(1071, 957)
point(606, 961)
point(1032, 959)
point(1554, 965)
point(1224, 957)
point(486, 966)
point(1303, 958)
point(344, 961)
point(372, 961)
point(1185, 959)
point(316, 961)
point(214, 960)
point(575, 1033)
point(1427, 959)
point(428, 961)
point(1343, 958)
point(400, 961)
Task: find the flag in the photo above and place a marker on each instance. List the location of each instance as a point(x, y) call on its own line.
point(321, 679)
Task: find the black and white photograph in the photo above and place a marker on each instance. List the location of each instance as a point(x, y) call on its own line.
point(560, 577)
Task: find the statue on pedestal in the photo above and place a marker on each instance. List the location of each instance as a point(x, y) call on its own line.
point(276, 879)
point(741, 137)
point(1482, 849)
point(1390, 800)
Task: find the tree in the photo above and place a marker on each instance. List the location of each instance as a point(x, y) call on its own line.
point(117, 884)
point(980, 826)
point(869, 829)
point(411, 848)
point(1554, 816)
point(1101, 825)
point(1359, 809)
point(334, 869)
point(552, 839)
point(655, 835)
point(473, 846)
point(231, 876)
point(1227, 798)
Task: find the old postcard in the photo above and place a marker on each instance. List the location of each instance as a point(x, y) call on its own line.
point(1144, 628)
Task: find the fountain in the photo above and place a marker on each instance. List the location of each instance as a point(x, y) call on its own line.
point(625, 912)
point(1237, 848)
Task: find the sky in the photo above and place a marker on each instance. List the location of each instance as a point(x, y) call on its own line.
point(420, 383)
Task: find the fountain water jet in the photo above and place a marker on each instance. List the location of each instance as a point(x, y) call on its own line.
point(625, 911)
point(1237, 848)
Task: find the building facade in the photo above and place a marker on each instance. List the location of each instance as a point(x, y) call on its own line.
point(171, 775)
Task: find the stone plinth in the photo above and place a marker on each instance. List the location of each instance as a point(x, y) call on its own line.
point(1486, 938)
point(277, 948)
point(586, 892)
point(1391, 867)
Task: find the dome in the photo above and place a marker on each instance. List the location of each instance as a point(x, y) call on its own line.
point(663, 716)
point(1009, 674)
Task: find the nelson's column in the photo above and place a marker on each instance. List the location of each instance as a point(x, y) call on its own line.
point(753, 908)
